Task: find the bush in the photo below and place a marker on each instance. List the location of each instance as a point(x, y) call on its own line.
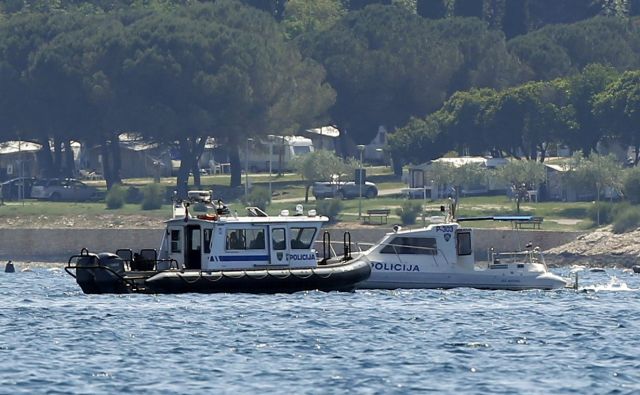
point(329, 207)
point(115, 198)
point(608, 211)
point(626, 220)
point(409, 212)
point(152, 197)
point(631, 186)
point(259, 197)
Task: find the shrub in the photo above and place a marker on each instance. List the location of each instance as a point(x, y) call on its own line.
point(626, 220)
point(631, 185)
point(408, 212)
point(258, 197)
point(115, 198)
point(608, 211)
point(152, 197)
point(330, 208)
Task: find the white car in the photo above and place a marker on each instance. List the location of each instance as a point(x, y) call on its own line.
point(62, 189)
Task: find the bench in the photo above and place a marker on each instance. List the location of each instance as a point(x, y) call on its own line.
point(534, 223)
point(381, 213)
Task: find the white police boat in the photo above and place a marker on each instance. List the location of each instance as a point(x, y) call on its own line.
point(442, 256)
point(215, 251)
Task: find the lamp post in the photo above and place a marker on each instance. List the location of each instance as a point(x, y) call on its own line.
point(360, 182)
point(246, 171)
point(270, 137)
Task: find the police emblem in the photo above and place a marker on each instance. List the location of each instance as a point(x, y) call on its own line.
point(447, 236)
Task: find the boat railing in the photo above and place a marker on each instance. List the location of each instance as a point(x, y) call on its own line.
point(329, 250)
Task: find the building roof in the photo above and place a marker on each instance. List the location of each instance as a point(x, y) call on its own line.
point(329, 131)
point(10, 147)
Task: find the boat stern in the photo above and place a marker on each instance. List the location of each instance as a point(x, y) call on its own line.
point(549, 280)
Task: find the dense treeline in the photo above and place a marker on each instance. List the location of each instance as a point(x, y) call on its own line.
point(580, 111)
point(442, 72)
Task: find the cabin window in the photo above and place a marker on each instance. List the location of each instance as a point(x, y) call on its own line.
point(245, 239)
point(411, 245)
point(255, 239)
point(301, 238)
point(278, 239)
point(207, 240)
point(175, 240)
point(195, 240)
point(464, 243)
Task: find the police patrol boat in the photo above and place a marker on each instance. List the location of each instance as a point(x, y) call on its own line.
point(441, 256)
point(217, 251)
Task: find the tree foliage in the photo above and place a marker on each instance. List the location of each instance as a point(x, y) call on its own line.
point(322, 165)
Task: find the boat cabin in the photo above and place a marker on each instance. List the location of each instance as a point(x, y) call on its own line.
point(220, 241)
point(440, 245)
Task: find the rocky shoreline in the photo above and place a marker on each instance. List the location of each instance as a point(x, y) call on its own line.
point(599, 248)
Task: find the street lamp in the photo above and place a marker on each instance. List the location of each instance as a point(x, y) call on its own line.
point(246, 171)
point(270, 137)
point(360, 182)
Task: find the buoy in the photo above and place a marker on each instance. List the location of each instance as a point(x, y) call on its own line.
point(9, 268)
point(636, 269)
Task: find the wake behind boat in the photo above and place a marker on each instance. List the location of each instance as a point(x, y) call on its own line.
point(441, 256)
point(219, 252)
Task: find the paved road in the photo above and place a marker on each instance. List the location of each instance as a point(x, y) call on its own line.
point(382, 192)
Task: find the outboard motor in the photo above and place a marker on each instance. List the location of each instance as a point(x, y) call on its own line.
point(102, 273)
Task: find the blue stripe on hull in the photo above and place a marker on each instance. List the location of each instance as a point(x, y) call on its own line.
point(243, 258)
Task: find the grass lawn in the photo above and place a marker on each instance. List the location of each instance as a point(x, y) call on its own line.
point(557, 215)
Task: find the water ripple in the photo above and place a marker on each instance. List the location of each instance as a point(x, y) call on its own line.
point(54, 339)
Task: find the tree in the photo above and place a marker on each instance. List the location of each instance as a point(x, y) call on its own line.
point(618, 107)
point(311, 16)
point(460, 120)
point(560, 50)
point(522, 175)
point(355, 5)
point(526, 119)
point(388, 65)
point(459, 177)
point(321, 165)
point(596, 172)
point(221, 70)
point(582, 89)
point(419, 141)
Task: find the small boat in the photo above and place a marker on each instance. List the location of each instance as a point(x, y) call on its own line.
point(441, 256)
point(217, 251)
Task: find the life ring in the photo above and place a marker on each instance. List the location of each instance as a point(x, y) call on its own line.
point(208, 217)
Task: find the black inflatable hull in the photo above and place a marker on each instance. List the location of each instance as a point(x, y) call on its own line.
point(341, 277)
point(94, 278)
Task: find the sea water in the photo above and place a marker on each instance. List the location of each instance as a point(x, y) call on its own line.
point(56, 340)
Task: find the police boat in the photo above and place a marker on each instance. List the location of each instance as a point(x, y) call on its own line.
point(216, 251)
point(441, 256)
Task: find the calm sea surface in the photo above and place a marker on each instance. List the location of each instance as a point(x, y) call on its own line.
point(54, 339)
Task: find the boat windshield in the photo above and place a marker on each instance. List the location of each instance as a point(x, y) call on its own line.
point(534, 256)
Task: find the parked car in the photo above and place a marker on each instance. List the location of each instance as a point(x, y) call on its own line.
point(343, 190)
point(62, 189)
point(17, 188)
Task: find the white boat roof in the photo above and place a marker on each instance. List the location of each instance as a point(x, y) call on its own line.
point(230, 219)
